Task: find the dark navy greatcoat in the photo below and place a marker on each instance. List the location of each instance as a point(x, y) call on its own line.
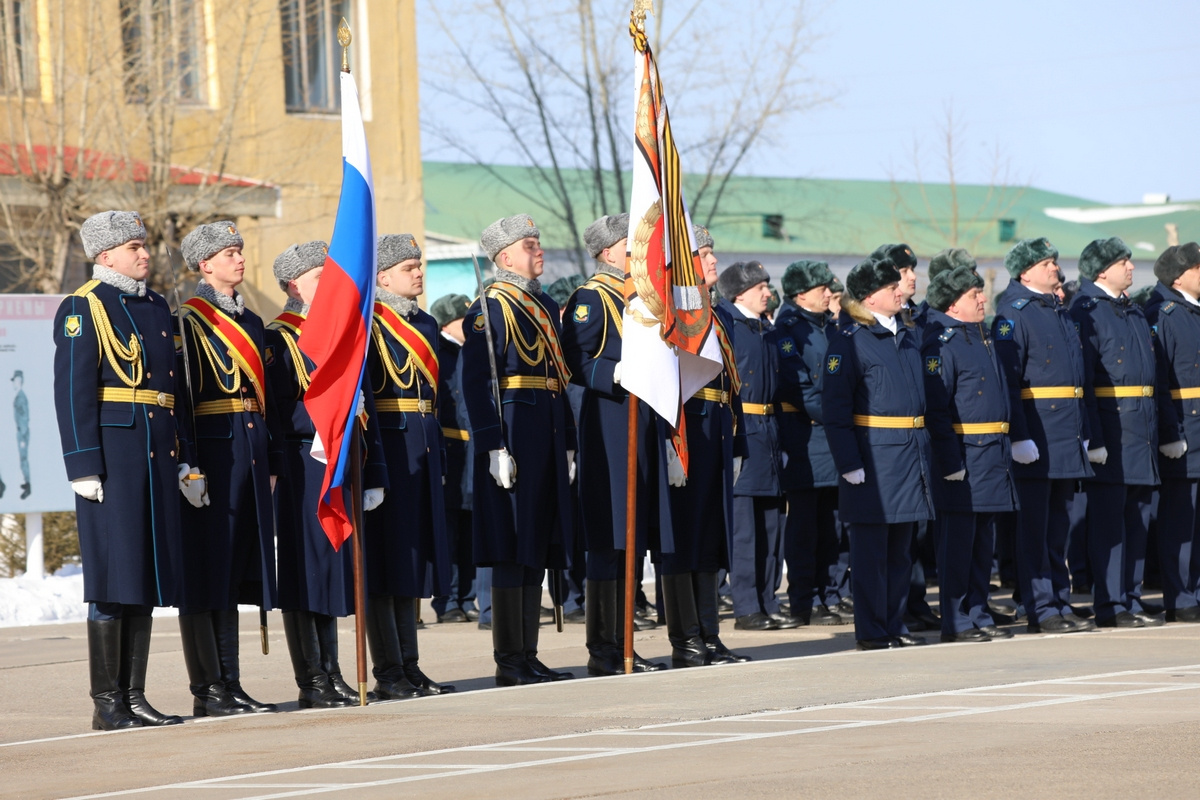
point(868, 370)
point(1118, 350)
point(529, 524)
point(407, 552)
point(702, 509)
point(1039, 347)
point(312, 575)
point(756, 346)
point(592, 346)
point(965, 384)
point(229, 545)
point(803, 337)
point(1177, 334)
point(130, 544)
point(456, 494)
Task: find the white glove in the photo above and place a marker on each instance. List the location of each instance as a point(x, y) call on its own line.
point(856, 477)
point(617, 374)
point(502, 468)
point(571, 467)
point(372, 498)
point(737, 468)
point(1025, 451)
point(957, 476)
point(89, 488)
point(196, 489)
point(1098, 456)
point(675, 475)
point(1173, 449)
point(362, 403)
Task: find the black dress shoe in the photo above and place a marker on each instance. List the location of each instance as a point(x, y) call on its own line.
point(642, 665)
point(1150, 608)
point(1123, 619)
point(1055, 624)
point(722, 654)
point(641, 623)
point(845, 606)
point(996, 633)
point(908, 640)
point(932, 621)
point(823, 616)
point(783, 621)
point(757, 621)
point(882, 643)
point(724, 604)
point(969, 635)
point(1150, 620)
point(576, 616)
point(1083, 612)
point(485, 626)
point(1080, 623)
point(1189, 614)
point(472, 614)
point(453, 615)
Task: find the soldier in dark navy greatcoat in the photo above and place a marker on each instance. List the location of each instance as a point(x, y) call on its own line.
point(407, 553)
point(873, 399)
point(229, 542)
point(524, 450)
point(1042, 357)
point(1118, 354)
point(809, 478)
point(114, 392)
point(592, 330)
point(1174, 312)
point(968, 421)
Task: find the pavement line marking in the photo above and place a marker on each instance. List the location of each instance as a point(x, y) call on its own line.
point(708, 740)
point(916, 708)
point(497, 749)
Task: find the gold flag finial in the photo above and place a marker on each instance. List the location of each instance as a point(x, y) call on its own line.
point(344, 40)
point(637, 23)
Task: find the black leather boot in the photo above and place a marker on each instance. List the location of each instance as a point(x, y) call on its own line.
point(531, 606)
point(639, 664)
point(387, 660)
point(406, 626)
point(304, 646)
point(600, 607)
point(135, 657)
point(210, 697)
point(104, 663)
point(508, 638)
point(328, 636)
point(708, 612)
point(683, 626)
point(225, 624)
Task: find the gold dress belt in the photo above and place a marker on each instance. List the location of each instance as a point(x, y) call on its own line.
point(457, 433)
point(529, 382)
point(147, 397)
point(976, 428)
point(1186, 394)
point(406, 404)
point(1052, 393)
point(229, 406)
point(872, 421)
point(758, 409)
point(1124, 391)
point(712, 395)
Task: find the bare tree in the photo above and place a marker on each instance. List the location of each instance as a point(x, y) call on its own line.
point(101, 131)
point(554, 82)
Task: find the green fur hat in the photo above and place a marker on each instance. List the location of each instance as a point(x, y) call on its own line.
point(801, 276)
point(449, 307)
point(1100, 255)
point(1175, 261)
point(900, 254)
point(950, 259)
point(560, 291)
point(1026, 253)
point(870, 276)
point(949, 285)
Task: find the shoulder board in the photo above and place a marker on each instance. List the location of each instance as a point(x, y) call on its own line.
point(791, 320)
point(86, 289)
point(1087, 302)
point(850, 330)
point(1019, 304)
point(946, 335)
point(1167, 308)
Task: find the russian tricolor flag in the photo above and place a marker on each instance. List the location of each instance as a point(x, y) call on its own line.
point(336, 330)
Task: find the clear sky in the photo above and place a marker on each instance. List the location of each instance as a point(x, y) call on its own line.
point(1095, 99)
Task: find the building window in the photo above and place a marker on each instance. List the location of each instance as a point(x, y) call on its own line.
point(311, 54)
point(163, 44)
point(18, 59)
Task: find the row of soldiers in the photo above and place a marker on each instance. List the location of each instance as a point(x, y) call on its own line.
point(810, 415)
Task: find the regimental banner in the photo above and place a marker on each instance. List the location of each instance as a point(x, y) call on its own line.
point(30, 449)
point(669, 349)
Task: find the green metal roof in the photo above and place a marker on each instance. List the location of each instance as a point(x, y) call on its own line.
point(829, 217)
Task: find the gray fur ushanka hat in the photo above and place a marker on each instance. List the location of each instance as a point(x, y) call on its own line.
point(110, 229)
point(297, 260)
point(205, 241)
point(503, 232)
point(392, 248)
point(605, 232)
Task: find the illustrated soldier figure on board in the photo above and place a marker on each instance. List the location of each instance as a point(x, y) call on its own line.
point(229, 542)
point(524, 449)
point(114, 393)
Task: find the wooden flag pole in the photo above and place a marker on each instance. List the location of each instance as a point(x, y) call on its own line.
point(360, 586)
point(630, 531)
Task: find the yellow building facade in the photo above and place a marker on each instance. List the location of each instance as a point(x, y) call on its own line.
point(236, 101)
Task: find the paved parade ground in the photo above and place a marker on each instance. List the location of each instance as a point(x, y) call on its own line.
point(1095, 715)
